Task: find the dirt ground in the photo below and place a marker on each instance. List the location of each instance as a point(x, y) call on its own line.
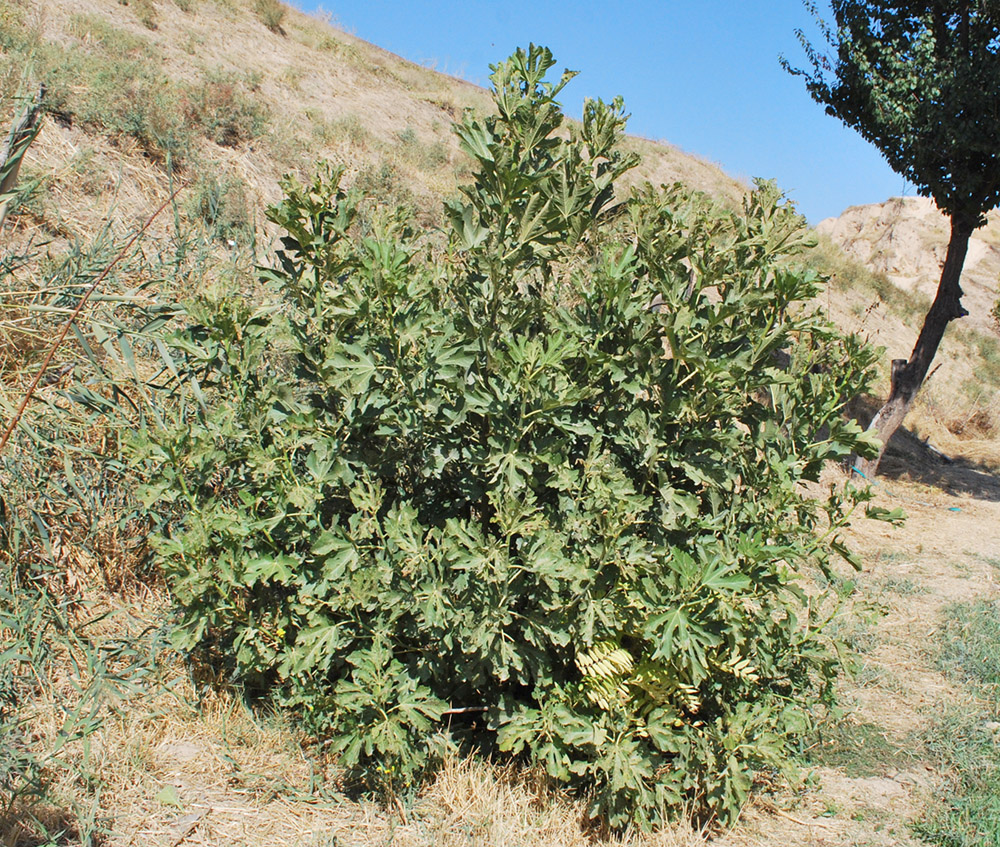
point(947, 551)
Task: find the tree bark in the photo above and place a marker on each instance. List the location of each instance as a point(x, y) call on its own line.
point(908, 375)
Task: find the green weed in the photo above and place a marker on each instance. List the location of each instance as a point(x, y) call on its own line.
point(988, 347)
point(292, 76)
point(970, 647)
point(904, 586)
point(45, 638)
point(350, 127)
point(965, 737)
point(427, 157)
point(31, 197)
point(384, 183)
point(223, 112)
point(192, 43)
point(145, 11)
point(858, 749)
point(108, 81)
point(229, 8)
point(98, 33)
point(69, 527)
point(87, 172)
point(221, 204)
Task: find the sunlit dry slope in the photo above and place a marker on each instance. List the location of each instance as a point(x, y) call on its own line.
point(236, 105)
point(906, 238)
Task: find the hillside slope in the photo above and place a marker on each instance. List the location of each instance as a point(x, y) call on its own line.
point(906, 238)
point(234, 105)
point(903, 242)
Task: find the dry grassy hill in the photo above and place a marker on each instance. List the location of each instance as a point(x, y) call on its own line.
point(906, 238)
point(235, 105)
point(902, 244)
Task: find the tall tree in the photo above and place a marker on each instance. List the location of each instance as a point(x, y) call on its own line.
point(919, 79)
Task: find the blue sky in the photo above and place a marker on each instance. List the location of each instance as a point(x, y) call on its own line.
point(700, 74)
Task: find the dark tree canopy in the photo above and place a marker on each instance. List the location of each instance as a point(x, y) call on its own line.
point(921, 81)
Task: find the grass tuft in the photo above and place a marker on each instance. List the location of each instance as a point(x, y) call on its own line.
point(223, 112)
point(97, 33)
point(858, 749)
point(971, 645)
point(221, 205)
point(145, 11)
point(271, 13)
point(965, 738)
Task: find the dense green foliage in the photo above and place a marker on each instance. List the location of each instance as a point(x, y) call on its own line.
point(920, 79)
point(538, 487)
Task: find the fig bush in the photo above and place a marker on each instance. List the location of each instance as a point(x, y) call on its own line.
point(533, 485)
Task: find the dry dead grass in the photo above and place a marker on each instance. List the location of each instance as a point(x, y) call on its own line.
point(317, 83)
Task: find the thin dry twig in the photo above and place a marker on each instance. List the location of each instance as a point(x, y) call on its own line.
point(774, 810)
point(188, 824)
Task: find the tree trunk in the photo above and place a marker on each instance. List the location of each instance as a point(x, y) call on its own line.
point(908, 375)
